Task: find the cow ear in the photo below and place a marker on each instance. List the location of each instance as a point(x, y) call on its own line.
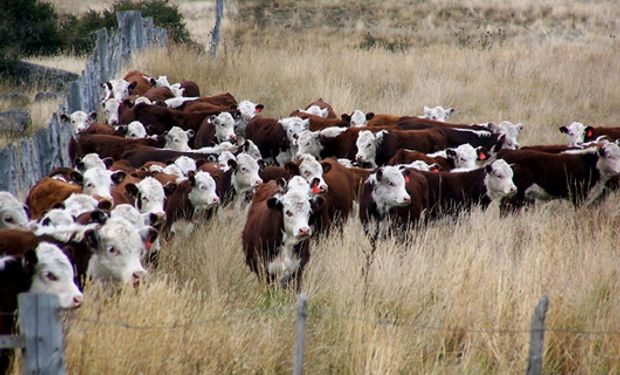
point(232, 164)
point(563, 129)
point(152, 82)
point(108, 162)
point(98, 216)
point(191, 176)
point(345, 117)
point(30, 261)
point(450, 111)
point(519, 127)
point(210, 159)
point(589, 132)
point(58, 205)
point(92, 239)
point(261, 164)
point(317, 203)
point(292, 167)
point(148, 235)
point(483, 154)
point(132, 85)
point(105, 205)
point(259, 108)
point(370, 116)
point(427, 111)
point(170, 188)
point(450, 152)
point(79, 164)
point(121, 129)
point(128, 103)
point(326, 167)
point(118, 177)
point(93, 115)
point(64, 117)
point(488, 168)
point(200, 162)
point(274, 203)
point(132, 189)
point(76, 177)
point(190, 133)
point(379, 174)
point(406, 173)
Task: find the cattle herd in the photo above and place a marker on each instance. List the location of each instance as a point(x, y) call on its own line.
point(167, 158)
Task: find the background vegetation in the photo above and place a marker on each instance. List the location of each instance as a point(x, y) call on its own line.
point(455, 297)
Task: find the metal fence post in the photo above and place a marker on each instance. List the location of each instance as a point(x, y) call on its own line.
point(537, 336)
point(302, 316)
point(39, 317)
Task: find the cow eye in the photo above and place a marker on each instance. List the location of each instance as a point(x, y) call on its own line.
point(243, 169)
point(391, 183)
point(50, 276)
point(368, 145)
point(113, 251)
point(289, 213)
point(306, 173)
point(8, 220)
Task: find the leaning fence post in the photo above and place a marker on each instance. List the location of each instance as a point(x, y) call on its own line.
point(39, 322)
point(302, 315)
point(537, 336)
point(215, 34)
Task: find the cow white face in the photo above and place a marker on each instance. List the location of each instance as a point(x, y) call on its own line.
point(203, 193)
point(463, 156)
point(312, 171)
point(117, 89)
point(79, 120)
point(367, 144)
point(177, 139)
point(186, 164)
point(135, 129)
point(118, 247)
point(251, 149)
point(438, 113)
point(224, 125)
point(299, 184)
point(510, 132)
point(12, 212)
point(90, 161)
point(54, 275)
point(309, 143)
point(498, 180)
point(150, 196)
point(224, 157)
point(248, 110)
point(575, 132)
point(56, 218)
point(111, 109)
point(608, 162)
point(161, 81)
point(296, 210)
point(358, 118)
point(294, 126)
point(316, 111)
point(77, 204)
point(99, 181)
point(132, 215)
point(389, 188)
point(245, 177)
point(173, 170)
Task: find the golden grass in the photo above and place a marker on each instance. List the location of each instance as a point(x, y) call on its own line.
point(456, 297)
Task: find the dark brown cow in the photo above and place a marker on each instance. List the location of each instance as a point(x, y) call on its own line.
point(343, 145)
point(456, 134)
point(191, 89)
point(217, 103)
point(48, 192)
point(110, 146)
point(551, 149)
point(320, 123)
point(383, 119)
point(415, 212)
point(158, 94)
point(142, 83)
point(403, 156)
point(268, 135)
point(324, 105)
point(138, 156)
point(157, 119)
point(341, 191)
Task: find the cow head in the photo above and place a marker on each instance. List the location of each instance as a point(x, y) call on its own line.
point(99, 181)
point(77, 204)
point(185, 164)
point(360, 119)
point(463, 157)
point(177, 139)
point(245, 175)
point(315, 110)
point(12, 213)
point(149, 194)
point(224, 157)
point(309, 144)
point(248, 110)
point(251, 149)
point(498, 180)
point(576, 133)
point(117, 89)
point(117, 248)
point(57, 217)
point(509, 131)
point(312, 171)
point(438, 113)
point(79, 120)
point(367, 143)
point(224, 125)
point(54, 275)
point(93, 160)
point(294, 126)
point(296, 209)
point(111, 110)
point(135, 129)
point(203, 194)
point(144, 223)
point(608, 162)
point(389, 188)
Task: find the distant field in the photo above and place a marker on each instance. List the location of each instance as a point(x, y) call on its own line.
point(453, 298)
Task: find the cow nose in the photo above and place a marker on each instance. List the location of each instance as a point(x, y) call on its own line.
point(359, 158)
point(304, 232)
point(406, 199)
point(257, 182)
point(77, 301)
point(232, 138)
point(137, 277)
point(513, 189)
point(216, 200)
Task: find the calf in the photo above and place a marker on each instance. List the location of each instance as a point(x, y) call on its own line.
point(111, 146)
point(141, 155)
point(384, 189)
point(149, 196)
point(216, 129)
point(158, 119)
point(275, 233)
point(578, 133)
point(438, 113)
point(577, 176)
point(79, 120)
point(197, 192)
point(404, 156)
point(46, 193)
point(323, 105)
point(416, 211)
point(13, 214)
point(451, 192)
point(177, 139)
point(379, 148)
point(320, 123)
point(247, 110)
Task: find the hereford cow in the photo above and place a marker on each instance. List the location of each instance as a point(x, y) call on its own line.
point(79, 120)
point(579, 133)
point(438, 113)
point(377, 149)
point(13, 214)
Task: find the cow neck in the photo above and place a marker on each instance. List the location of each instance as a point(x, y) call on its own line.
point(479, 191)
point(180, 203)
point(591, 159)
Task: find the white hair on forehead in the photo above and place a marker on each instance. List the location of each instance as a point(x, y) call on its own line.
point(135, 129)
point(10, 206)
point(92, 160)
point(185, 163)
point(58, 216)
point(173, 170)
point(298, 183)
point(49, 254)
point(358, 118)
point(295, 200)
point(78, 203)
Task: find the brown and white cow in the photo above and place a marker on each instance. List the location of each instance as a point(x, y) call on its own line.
point(579, 133)
point(13, 214)
point(378, 148)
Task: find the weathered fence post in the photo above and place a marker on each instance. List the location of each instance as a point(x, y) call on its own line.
point(215, 34)
point(302, 316)
point(537, 336)
point(39, 323)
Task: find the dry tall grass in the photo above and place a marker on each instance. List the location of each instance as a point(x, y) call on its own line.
point(455, 297)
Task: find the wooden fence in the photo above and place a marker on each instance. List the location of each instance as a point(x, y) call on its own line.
point(27, 160)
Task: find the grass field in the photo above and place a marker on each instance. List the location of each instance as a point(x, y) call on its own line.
point(455, 297)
